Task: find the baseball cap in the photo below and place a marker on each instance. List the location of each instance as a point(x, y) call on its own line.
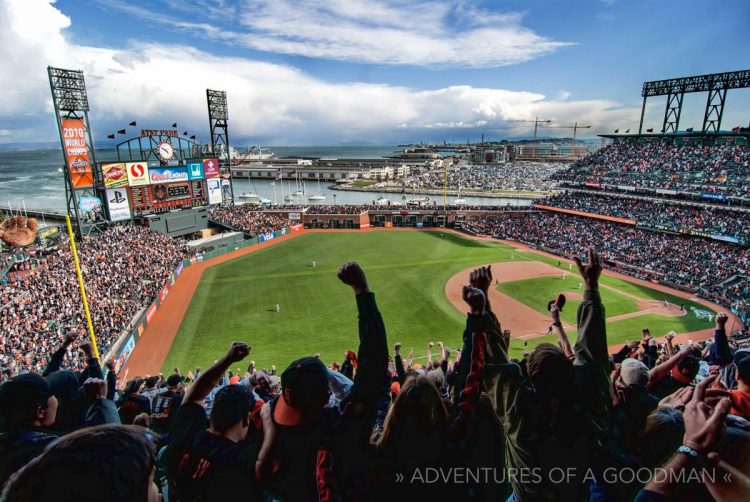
point(303, 382)
point(686, 370)
point(742, 361)
point(21, 393)
point(634, 372)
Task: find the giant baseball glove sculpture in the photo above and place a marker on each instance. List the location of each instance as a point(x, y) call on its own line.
point(18, 231)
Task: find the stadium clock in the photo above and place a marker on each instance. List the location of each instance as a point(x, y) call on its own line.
point(166, 151)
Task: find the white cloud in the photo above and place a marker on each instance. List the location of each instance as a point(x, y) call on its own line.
point(423, 32)
point(269, 103)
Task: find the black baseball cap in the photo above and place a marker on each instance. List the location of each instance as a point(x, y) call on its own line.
point(742, 361)
point(307, 378)
point(21, 393)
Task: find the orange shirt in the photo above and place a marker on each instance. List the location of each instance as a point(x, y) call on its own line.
point(740, 403)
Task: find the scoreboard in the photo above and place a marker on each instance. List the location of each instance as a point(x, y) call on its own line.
point(137, 189)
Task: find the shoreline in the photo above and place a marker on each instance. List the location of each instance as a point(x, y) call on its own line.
point(451, 192)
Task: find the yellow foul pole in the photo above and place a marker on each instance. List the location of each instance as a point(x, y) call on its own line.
point(74, 250)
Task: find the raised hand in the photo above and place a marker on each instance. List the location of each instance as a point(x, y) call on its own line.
point(704, 426)
point(95, 388)
point(721, 320)
point(591, 270)
point(237, 352)
point(397, 348)
point(554, 312)
point(70, 337)
point(481, 278)
point(87, 349)
point(352, 275)
point(474, 298)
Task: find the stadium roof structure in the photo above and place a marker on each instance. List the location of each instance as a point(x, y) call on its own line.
point(716, 84)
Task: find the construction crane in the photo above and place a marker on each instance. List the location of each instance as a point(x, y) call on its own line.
point(536, 123)
point(575, 128)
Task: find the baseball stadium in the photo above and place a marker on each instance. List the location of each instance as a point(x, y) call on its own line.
point(520, 319)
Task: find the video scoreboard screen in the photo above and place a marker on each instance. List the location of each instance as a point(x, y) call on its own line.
point(163, 197)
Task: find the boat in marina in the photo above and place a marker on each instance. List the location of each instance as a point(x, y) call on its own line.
point(250, 194)
point(319, 195)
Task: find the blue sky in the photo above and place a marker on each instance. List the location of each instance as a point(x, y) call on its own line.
point(359, 71)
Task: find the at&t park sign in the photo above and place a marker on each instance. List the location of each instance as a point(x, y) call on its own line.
point(150, 133)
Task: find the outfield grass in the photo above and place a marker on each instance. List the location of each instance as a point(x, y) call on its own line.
point(407, 271)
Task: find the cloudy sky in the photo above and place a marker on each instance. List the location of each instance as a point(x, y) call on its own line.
point(333, 72)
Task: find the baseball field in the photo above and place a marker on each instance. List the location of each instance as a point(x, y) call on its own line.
point(416, 277)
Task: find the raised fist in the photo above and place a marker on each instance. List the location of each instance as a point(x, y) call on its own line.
point(352, 275)
point(481, 278)
point(18, 231)
point(95, 388)
point(721, 320)
point(590, 271)
point(474, 298)
point(237, 352)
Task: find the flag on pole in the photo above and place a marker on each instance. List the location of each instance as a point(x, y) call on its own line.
point(278, 174)
point(132, 123)
point(121, 131)
point(111, 136)
point(650, 130)
point(192, 137)
point(174, 125)
point(617, 131)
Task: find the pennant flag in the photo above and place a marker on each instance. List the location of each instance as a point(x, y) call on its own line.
point(121, 131)
point(132, 123)
point(617, 131)
point(650, 130)
point(111, 136)
point(627, 132)
point(174, 125)
point(689, 129)
point(184, 133)
point(192, 137)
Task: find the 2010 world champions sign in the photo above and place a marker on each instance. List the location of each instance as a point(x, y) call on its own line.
point(77, 153)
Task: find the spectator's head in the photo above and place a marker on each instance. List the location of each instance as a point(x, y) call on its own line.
point(351, 356)
point(107, 462)
point(143, 419)
point(437, 377)
point(230, 414)
point(27, 401)
point(549, 370)
point(173, 381)
point(742, 362)
point(686, 370)
point(134, 386)
point(417, 412)
point(304, 392)
point(152, 381)
point(634, 373)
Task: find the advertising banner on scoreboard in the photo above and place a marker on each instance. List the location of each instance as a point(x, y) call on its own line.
point(114, 175)
point(137, 173)
point(214, 191)
point(195, 170)
point(211, 168)
point(77, 153)
point(119, 206)
point(167, 174)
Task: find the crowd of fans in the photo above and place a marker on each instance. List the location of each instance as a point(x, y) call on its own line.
point(124, 269)
point(666, 165)
point(248, 219)
point(716, 270)
point(655, 421)
point(527, 176)
point(704, 219)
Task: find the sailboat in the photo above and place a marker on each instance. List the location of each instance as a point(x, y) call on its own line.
point(460, 201)
point(249, 194)
point(319, 195)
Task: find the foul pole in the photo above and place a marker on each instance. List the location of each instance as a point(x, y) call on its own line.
point(74, 250)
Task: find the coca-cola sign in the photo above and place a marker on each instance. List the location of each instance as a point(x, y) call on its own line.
point(115, 175)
